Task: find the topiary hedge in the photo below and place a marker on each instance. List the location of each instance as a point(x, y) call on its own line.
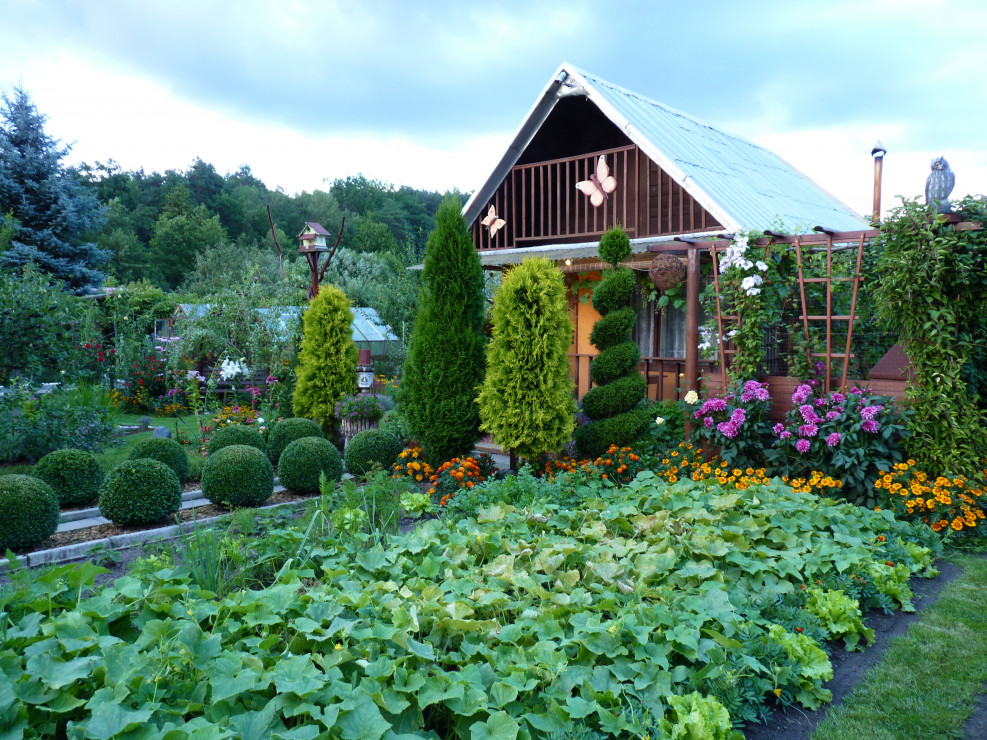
point(614, 246)
point(614, 291)
point(236, 434)
point(303, 460)
point(140, 492)
point(30, 511)
point(163, 450)
point(287, 431)
point(74, 475)
point(238, 475)
point(615, 398)
point(593, 439)
point(615, 362)
point(372, 446)
point(613, 328)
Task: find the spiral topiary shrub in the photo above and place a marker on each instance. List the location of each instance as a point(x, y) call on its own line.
point(140, 492)
point(238, 475)
point(370, 447)
point(614, 246)
point(163, 450)
point(236, 434)
point(30, 511)
point(303, 460)
point(287, 431)
point(611, 406)
point(613, 328)
point(74, 475)
point(614, 398)
point(614, 290)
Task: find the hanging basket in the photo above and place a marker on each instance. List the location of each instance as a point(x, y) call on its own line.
point(666, 271)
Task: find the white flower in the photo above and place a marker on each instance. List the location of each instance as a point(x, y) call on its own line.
point(753, 291)
point(730, 335)
point(659, 421)
point(751, 281)
point(259, 420)
point(692, 398)
point(232, 368)
point(741, 242)
point(761, 266)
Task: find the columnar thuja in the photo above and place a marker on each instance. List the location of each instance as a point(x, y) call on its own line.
point(620, 387)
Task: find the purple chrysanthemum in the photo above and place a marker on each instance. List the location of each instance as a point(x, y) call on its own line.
point(803, 445)
point(837, 397)
point(727, 429)
point(778, 428)
point(801, 394)
point(834, 439)
point(870, 412)
point(708, 422)
point(785, 434)
point(738, 417)
point(870, 425)
point(830, 415)
point(808, 430)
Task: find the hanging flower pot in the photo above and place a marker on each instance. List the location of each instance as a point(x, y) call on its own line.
point(666, 271)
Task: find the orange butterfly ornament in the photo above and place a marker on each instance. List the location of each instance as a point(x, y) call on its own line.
point(599, 184)
point(493, 223)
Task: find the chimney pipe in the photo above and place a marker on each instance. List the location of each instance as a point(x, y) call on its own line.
point(877, 153)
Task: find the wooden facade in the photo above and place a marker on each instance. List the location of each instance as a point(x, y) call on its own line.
point(541, 204)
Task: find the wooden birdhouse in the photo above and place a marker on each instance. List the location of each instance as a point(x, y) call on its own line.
point(312, 238)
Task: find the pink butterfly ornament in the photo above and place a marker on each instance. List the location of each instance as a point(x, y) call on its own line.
point(492, 222)
point(599, 184)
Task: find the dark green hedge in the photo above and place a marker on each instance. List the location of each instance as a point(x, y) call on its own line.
point(303, 460)
point(74, 475)
point(236, 434)
point(30, 511)
point(287, 431)
point(614, 362)
point(592, 440)
point(238, 475)
point(614, 291)
point(163, 450)
point(616, 397)
point(370, 447)
point(613, 329)
point(140, 492)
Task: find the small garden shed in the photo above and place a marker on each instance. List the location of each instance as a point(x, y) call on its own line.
point(591, 155)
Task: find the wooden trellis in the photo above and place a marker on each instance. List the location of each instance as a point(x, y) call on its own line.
point(821, 241)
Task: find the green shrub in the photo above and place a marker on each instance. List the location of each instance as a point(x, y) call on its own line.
point(304, 459)
point(445, 355)
point(614, 398)
point(526, 398)
point(163, 450)
point(615, 362)
point(369, 447)
point(139, 492)
point(394, 422)
point(327, 357)
point(613, 329)
point(615, 245)
point(74, 475)
point(593, 439)
point(30, 511)
point(287, 431)
point(614, 291)
point(236, 434)
point(238, 475)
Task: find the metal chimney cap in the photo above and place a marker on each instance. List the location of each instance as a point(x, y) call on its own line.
point(878, 150)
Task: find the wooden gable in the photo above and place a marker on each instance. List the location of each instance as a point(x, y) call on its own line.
point(540, 202)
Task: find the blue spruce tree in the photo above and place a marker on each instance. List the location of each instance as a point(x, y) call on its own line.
point(52, 213)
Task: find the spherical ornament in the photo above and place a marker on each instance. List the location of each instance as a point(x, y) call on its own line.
point(666, 271)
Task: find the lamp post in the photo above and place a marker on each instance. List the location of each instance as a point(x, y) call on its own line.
point(364, 372)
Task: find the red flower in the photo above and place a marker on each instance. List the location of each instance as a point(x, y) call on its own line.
point(88, 346)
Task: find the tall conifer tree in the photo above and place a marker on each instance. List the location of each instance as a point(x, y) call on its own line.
point(53, 211)
point(526, 402)
point(445, 356)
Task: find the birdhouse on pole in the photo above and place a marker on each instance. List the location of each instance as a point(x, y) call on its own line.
point(312, 244)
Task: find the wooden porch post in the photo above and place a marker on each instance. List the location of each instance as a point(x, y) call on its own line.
point(692, 321)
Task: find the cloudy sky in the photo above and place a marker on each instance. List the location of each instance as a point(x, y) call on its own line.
point(429, 93)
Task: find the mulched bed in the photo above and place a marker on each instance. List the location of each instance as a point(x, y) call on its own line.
point(848, 668)
point(88, 534)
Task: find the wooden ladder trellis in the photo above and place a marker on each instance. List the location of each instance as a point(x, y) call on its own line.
point(828, 318)
point(821, 240)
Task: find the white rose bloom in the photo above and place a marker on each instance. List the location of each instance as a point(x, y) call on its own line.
point(659, 421)
point(692, 398)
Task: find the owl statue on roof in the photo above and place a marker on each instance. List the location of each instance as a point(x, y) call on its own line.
point(939, 185)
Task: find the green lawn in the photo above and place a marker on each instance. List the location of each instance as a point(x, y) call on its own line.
point(927, 684)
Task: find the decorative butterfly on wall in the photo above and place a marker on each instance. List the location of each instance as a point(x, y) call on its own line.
point(493, 223)
point(599, 184)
